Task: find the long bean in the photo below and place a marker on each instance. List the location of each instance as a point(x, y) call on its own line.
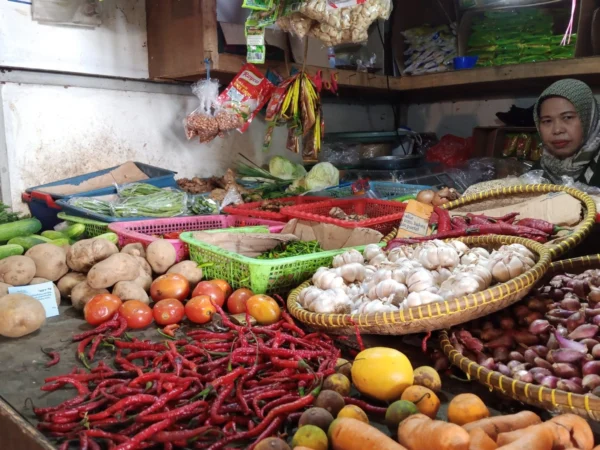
point(296, 248)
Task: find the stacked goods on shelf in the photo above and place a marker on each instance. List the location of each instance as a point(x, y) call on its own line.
point(430, 49)
point(515, 37)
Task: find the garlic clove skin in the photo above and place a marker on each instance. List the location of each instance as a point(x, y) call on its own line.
point(460, 247)
point(371, 251)
point(379, 259)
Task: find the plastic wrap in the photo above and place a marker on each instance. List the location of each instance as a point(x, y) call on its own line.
point(232, 197)
point(430, 49)
point(480, 170)
point(201, 122)
point(201, 204)
point(451, 151)
point(340, 154)
point(167, 203)
point(570, 182)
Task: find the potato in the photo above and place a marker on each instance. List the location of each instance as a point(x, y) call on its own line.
point(82, 255)
point(143, 280)
point(135, 249)
point(68, 282)
point(190, 270)
point(17, 270)
point(50, 261)
point(129, 290)
point(20, 314)
point(40, 280)
point(115, 268)
point(144, 265)
point(83, 293)
point(4, 289)
point(161, 255)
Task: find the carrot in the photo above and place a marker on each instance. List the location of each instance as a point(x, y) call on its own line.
point(537, 437)
point(581, 435)
point(481, 441)
point(352, 434)
point(493, 426)
point(419, 432)
point(559, 436)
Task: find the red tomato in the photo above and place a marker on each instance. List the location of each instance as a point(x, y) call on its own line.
point(101, 308)
point(224, 286)
point(168, 311)
point(264, 309)
point(210, 289)
point(172, 235)
point(137, 314)
point(170, 285)
point(236, 303)
point(200, 309)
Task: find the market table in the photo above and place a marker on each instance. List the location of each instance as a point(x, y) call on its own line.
point(23, 370)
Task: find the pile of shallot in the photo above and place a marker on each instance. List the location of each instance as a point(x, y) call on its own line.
point(551, 338)
point(406, 276)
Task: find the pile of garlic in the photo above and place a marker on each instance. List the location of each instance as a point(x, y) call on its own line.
point(434, 271)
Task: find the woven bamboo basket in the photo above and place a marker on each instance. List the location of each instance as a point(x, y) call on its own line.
point(433, 316)
point(554, 400)
point(520, 193)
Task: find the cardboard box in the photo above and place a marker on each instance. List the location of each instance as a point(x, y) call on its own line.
point(234, 34)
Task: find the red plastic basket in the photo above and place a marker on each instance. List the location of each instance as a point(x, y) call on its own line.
point(251, 209)
point(383, 215)
point(143, 231)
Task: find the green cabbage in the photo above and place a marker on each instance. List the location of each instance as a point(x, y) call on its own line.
point(282, 168)
point(321, 176)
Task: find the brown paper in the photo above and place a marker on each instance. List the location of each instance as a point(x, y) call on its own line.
point(125, 173)
point(332, 237)
point(246, 244)
point(558, 208)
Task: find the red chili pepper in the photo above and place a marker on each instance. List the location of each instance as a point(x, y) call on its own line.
point(81, 350)
point(139, 399)
point(215, 417)
point(169, 330)
point(184, 435)
point(135, 441)
point(230, 377)
point(542, 225)
point(112, 323)
point(121, 328)
point(165, 398)
point(366, 407)
point(81, 388)
point(263, 396)
point(54, 357)
point(95, 344)
point(478, 220)
point(459, 223)
point(190, 408)
point(444, 222)
point(278, 401)
point(359, 340)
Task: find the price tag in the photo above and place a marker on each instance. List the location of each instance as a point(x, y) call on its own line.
point(415, 221)
point(44, 292)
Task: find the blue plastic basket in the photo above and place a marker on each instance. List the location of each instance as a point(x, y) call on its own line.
point(44, 207)
point(385, 190)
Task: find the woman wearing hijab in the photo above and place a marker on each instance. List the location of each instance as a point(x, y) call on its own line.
point(567, 117)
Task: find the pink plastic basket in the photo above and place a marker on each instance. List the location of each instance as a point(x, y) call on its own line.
point(144, 231)
point(251, 209)
point(383, 215)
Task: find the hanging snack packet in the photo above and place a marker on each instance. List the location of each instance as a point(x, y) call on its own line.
point(258, 5)
point(201, 122)
point(245, 96)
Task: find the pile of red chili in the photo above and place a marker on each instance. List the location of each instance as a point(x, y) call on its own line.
point(474, 225)
point(210, 388)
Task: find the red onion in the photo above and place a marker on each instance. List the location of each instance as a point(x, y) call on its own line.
point(542, 363)
point(539, 326)
point(530, 356)
point(487, 325)
point(549, 382)
point(541, 350)
point(501, 354)
point(489, 334)
point(574, 320)
point(585, 331)
point(591, 381)
point(570, 303)
point(566, 355)
point(507, 323)
point(524, 376)
point(525, 337)
point(556, 321)
point(594, 295)
point(591, 367)
point(504, 370)
point(596, 320)
point(569, 386)
point(567, 343)
point(560, 313)
point(521, 310)
point(579, 287)
point(539, 373)
point(506, 340)
point(589, 343)
point(562, 330)
point(565, 370)
point(516, 356)
point(535, 304)
point(596, 351)
point(532, 317)
point(522, 366)
point(489, 363)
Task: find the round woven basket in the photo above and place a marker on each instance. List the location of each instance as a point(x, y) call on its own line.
point(433, 316)
point(554, 400)
point(521, 193)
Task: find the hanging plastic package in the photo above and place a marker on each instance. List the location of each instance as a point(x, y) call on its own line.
point(201, 122)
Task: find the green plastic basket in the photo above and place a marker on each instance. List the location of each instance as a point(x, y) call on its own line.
point(259, 275)
point(93, 228)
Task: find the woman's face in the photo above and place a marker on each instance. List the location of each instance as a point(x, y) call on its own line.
point(560, 127)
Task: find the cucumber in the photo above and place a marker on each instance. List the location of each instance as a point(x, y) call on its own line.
point(74, 231)
point(28, 241)
point(112, 237)
point(62, 242)
point(52, 235)
point(10, 250)
point(24, 227)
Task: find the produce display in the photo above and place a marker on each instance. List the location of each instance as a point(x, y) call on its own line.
point(296, 248)
point(407, 276)
point(551, 339)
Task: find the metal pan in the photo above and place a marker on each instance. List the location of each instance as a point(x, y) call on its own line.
point(392, 162)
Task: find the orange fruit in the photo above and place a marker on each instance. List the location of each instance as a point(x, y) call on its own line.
point(424, 398)
point(466, 408)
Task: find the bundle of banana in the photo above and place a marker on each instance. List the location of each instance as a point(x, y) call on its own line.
point(297, 104)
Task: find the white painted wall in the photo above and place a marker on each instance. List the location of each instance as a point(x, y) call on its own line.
point(53, 132)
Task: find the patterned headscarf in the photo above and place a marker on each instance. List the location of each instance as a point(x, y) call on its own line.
point(578, 93)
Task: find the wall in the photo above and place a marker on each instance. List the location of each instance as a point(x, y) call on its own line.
point(61, 125)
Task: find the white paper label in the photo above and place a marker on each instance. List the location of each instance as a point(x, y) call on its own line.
point(44, 292)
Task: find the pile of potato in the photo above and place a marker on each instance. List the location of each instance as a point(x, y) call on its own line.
point(81, 271)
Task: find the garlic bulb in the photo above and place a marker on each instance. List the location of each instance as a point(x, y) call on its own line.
point(327, 279)
point(308, 295)
point(331, 301)
point(400, 252)
point(354, 291)
point(432, 255)
point(375, 306)
point(419, 280)
point(476, 255)
point(388, 288)
point(378, 259)
point(352, 272)
point(371, 251)
point(351, 256)
point(440, 275)
point(370, 271)
point(521, 249)
point(460, 284)
point(481, 273)
point(460, 247)
point(421, 298)
point(505, 267)
point(382, 274)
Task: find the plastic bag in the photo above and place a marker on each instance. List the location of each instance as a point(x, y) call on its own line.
point(201, 122)
point(166, 203)
point(245, 96)
point(570, 182)
point(232, 197)
point(430, 49)
point(360, 13)
point(451, 150)
point(201, 204)
point(533, 177)
point(340, 154)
